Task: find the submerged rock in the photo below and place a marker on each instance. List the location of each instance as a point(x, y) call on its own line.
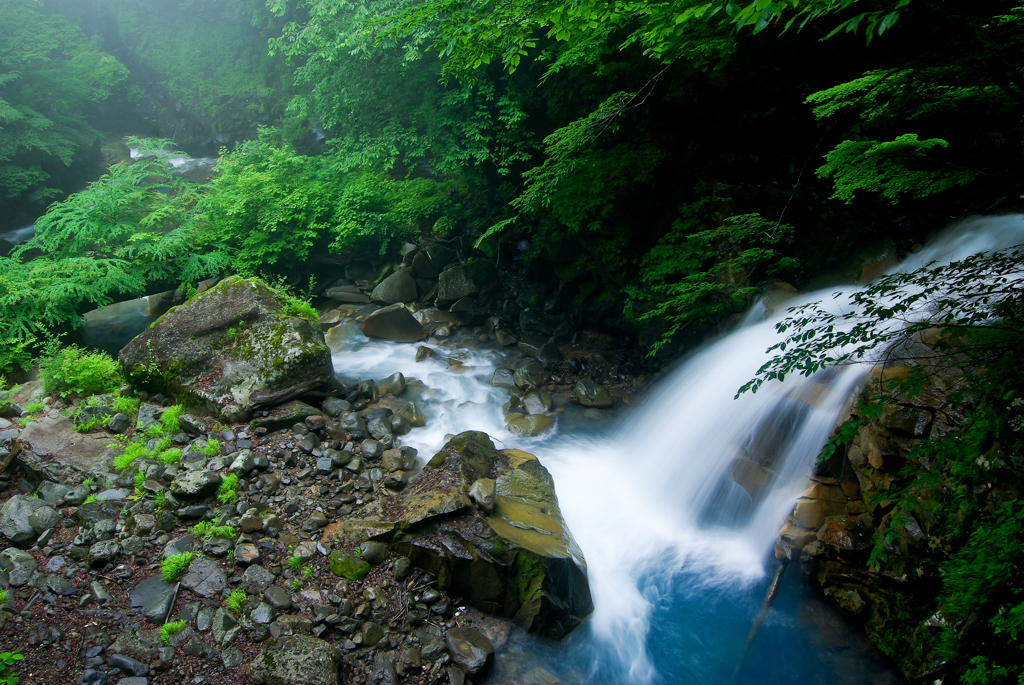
point(515, 559)
point(235, 345)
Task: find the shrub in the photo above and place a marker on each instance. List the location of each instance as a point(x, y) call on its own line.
point(132, 451)
point(170, 456)
point(90, 425)
point(211, 449)
point(175, 565)
point(169, 419)
point(236, 600)
point(72, 370)
point(33, 407)
point(125, 405)
point(7, 660)
point(226, 492)
point(168, 629)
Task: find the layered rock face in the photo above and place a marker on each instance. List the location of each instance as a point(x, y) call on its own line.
point(234, 348)
point(486, 523)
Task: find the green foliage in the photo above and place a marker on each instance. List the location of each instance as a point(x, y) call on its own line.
point(74, 371)
point(33, 407)
point(896, 309)
point(226, 492)
point(132, 451)
point(51, 81)
point(3, 597)
point(211, 448)
point(294, 563)
point(159, 502)
point(207, 530)
point(125, 405)
point(296, 584)
point(90, 499)
point(169, 419)
point(170, 628)
point(175, 565)
point(7, 660)
point(888, 168)
point(697, 274)
point(236, 600)
point(170, 456)
point(307, 573)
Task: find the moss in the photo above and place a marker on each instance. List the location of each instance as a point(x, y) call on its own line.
point(529, 577)
point(347, 565)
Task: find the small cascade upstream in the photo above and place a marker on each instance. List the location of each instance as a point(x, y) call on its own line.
point(677, 503)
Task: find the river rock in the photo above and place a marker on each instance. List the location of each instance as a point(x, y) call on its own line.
point(235, 345)
point(469, 649)
point(529, 426)
point(454, 284)
point(296, 660)
point(195, 485)
point(394, 323)
point(531, 375)
point(15, 523)
point(591, 394)
point(55, 451)
point(19, 564)
point(205, 578)
point(398, 287)
point(518, 561)
point(394, 384)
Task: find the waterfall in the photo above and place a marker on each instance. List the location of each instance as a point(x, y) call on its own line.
point(680, 501)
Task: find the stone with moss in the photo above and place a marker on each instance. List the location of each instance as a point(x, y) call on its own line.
point(347, 565)
point(239, 346)
point(515, 558)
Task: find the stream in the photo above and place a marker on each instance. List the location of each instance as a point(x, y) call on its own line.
point(679, 555)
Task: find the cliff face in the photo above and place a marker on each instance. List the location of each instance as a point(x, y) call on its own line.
point(873, 526)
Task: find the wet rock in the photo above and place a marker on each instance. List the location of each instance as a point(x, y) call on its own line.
point(398, 287)
point(256, 579)
point(383, 672)
point(411, 412)
point(591, 394)
point(347, 566)
point(119, 423)
point(53, 493)
point(395, 323)
point(285, 416)
point(347, 293)
point(503, 378)
point(55, 451)
point(519, 561)
point(278, 598)
point(195, 485)
point(354, 424)
point(529, 426)
point(333, 406)
point(374, 552)
point(482, 494)
point(424, 353)
point(296, 660)
point(223, 623)
point(20, 566)
point(537, 403)
point(454, 284)
point(274, 357)
point(128, 665)
point(247, 554)
point(205, 578)
point(15, 523)
point(531, 375)
point(243, 464)
point(103, 553)
point(153, 598)
point(394, 384)
point(469, 649)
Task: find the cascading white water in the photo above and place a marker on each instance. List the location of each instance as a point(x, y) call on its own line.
point(654, 496)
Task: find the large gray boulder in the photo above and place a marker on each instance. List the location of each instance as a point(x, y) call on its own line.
point(509, 554)
point(296, 660)
point(394, 323)
point(398, 287)
point(55, 451)
point(237, 346)
point(16, 519)
point(454, 284)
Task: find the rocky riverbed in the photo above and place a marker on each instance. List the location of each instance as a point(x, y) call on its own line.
point(360, 559)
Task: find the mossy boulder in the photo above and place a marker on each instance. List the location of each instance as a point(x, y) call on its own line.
point(514, 557)
point(236, 347)
point(347, 565)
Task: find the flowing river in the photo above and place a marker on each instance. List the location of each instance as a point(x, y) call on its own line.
point(679, 557)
